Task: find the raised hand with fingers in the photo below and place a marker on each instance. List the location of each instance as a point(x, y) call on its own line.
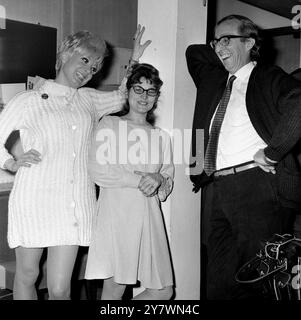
point(139, 48)
point(150, 182)
point(24, 160)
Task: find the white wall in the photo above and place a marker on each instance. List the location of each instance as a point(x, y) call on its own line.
point(172, 25)
point(262, 18)
point(185, 209)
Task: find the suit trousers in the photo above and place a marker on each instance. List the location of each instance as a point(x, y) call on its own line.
point(241, 212)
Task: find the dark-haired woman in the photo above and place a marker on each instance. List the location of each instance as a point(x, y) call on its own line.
point(131, 161)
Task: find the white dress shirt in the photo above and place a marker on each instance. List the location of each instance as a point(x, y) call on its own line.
point(238, 140)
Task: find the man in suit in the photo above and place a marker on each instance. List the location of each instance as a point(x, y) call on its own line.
point(251, 183)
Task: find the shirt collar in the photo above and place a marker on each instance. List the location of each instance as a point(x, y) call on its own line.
point(50, 87)
point(245, 71)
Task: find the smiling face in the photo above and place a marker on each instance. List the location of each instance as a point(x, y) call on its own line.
point(140, 104)
point(78, 69)
point(237, 53)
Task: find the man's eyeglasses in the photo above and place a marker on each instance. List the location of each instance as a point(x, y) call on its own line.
point(150, 92)
point(224, 40)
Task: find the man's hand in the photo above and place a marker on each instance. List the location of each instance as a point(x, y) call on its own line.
point(150, 182)
point(263, 162)
point(24, 160)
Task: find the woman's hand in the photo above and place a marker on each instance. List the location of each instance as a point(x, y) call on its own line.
point(150, 182)
point(24, 160)
point(263, 162)
point(139, 48)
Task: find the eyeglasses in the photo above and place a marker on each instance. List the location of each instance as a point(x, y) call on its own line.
point(150, 92)
point(224, 40)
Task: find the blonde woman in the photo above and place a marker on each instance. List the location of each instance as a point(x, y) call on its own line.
point(53, 200)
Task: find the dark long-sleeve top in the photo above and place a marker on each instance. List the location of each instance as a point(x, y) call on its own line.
point(273, 101)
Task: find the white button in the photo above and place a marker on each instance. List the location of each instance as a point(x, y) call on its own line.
point(72, 204)
point(74, 127)
point(74, 154)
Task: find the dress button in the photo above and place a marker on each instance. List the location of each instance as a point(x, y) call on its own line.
point(74, 154)
point(73, 127)
point(72, 204)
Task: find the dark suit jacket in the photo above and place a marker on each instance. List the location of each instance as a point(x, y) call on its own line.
point(273, 101)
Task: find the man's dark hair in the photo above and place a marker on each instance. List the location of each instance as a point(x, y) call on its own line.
point(246, 28)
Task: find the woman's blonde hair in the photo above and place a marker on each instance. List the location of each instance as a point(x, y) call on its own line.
point(77, 42)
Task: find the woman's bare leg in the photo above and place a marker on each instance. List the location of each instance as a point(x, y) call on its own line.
point(27, 271)
point(60, 264)
point(155, 294)
point(112, 290)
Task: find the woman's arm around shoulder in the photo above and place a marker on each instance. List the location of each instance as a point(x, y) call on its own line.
point(103, 102)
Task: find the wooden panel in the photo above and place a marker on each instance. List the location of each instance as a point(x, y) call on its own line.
point(113, 20)
point(281, 7)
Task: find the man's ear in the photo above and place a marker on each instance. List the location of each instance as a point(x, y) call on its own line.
point(250, 43)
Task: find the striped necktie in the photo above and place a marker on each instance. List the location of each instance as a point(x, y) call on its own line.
point(211, 151)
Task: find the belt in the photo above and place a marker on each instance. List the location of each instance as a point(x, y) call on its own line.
point(235, 169)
